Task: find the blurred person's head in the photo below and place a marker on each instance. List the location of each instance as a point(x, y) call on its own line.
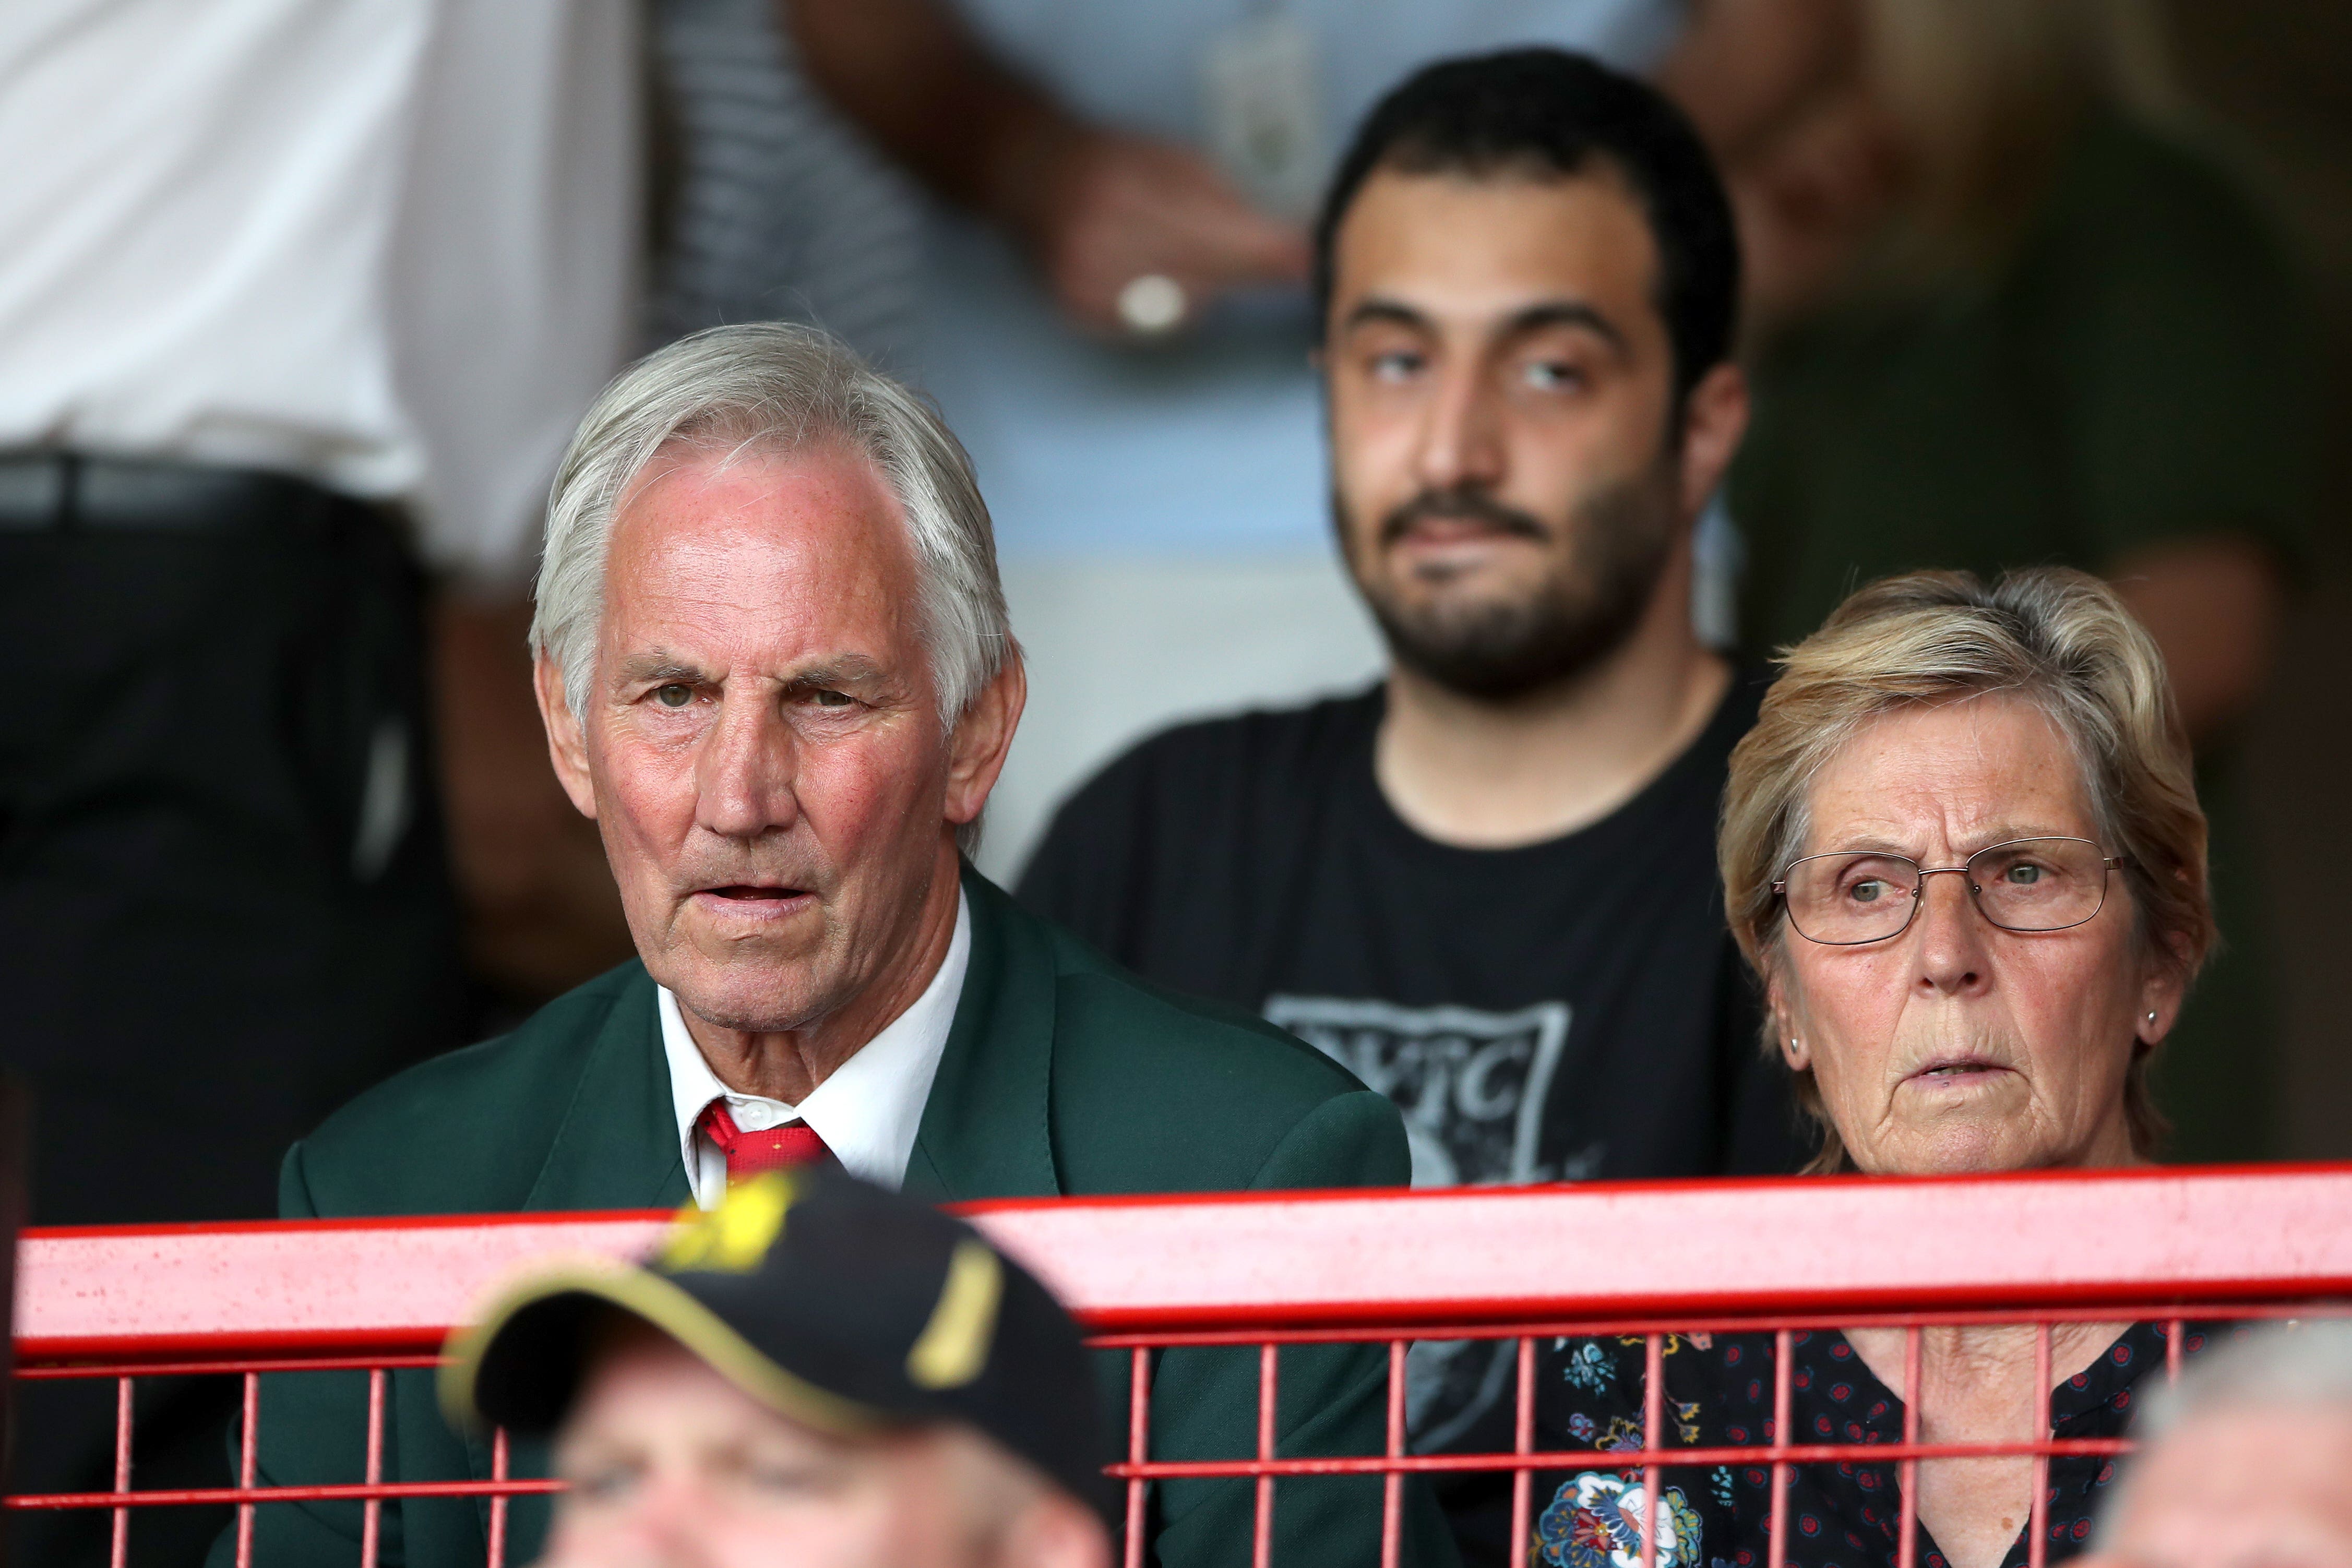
point(775, 666)
point(818, 1373)
point(1527, 274)
point(2000, 1017)
point(2246, 1463)
point(1881, 142)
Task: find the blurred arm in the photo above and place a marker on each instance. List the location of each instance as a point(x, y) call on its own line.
point(540, 912)
point(1094, 208)
point(920, 85)
point(2213, 604)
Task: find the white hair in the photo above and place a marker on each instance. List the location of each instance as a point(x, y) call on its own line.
point(781, 388)
point(2288, 1366)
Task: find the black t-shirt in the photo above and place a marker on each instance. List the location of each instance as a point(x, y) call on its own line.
point(1570, 1009)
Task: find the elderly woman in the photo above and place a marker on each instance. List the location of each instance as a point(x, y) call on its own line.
point(1963, 853)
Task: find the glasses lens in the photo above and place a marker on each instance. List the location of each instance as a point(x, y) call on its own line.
point(1854, 897)
point(2039, 884)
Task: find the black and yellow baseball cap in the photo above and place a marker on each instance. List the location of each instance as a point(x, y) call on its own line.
point(839, 1304)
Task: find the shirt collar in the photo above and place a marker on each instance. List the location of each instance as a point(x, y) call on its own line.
point(868, 1112)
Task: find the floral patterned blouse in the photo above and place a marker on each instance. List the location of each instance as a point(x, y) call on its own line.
point(1719, 1394)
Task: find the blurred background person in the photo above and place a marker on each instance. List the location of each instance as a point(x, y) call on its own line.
point(818, 1373)
point(2008, 310)
point(298, 304)
point(1485, 885)
point(2244, 1463)
point(1962, 849)
point(1111, 309)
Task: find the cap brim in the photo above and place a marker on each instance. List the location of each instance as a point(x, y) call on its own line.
point(555, 1363)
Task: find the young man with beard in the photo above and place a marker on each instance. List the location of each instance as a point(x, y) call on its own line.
point(1487, 884)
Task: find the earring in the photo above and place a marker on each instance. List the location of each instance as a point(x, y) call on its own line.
point(2151, 1018)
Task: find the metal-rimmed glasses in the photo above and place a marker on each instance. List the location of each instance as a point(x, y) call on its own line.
point(1848, 897)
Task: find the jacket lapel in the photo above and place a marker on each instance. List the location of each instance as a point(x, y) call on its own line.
point(617, 1146)
point(984, 1132)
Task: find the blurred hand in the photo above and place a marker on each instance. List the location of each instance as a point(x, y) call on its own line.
point(1107, 208)
point(1808, 202)
point(2213, 604)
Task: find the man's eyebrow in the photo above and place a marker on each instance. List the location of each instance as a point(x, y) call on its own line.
point(841, 670)
point(1563, 313)
point(1392, 312)
point(658, 665)
point(1533, 318)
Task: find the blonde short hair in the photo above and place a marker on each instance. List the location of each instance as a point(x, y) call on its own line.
point(2059, 639)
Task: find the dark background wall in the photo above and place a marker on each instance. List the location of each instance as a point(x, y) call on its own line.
point(2277, 75)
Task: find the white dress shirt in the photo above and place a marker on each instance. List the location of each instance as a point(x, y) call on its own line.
point(867, 1113)
point(388, 246)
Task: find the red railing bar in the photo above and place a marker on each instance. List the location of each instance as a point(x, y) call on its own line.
point(251, 1497)
point(244, 1446)
point(1174, 1469)
point(1907, 1553)
point(1523, 1443)
point(1269, 1365)
point(183, 1230)
point(2035, 1245)
point(372, 1514)
point(224, 1368)
point(1653, 1404)
point(2037, 1516)
point(1776, 1555)
point(1616, 1462)
point(106, 1359)
point(1721, 1324)
point(497, 1547)
point(1139, 1435)
point(1392, 1483)
point(119, 1551)
point(2030, 1241)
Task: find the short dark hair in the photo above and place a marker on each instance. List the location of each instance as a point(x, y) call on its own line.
point(1550, 113)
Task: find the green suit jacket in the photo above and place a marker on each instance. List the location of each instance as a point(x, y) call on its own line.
point(1062, 1074)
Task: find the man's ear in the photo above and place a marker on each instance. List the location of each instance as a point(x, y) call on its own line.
point(1714, 416)
point(983, 736)
point(567, 746)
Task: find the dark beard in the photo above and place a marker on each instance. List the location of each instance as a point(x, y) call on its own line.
point(1498, 650)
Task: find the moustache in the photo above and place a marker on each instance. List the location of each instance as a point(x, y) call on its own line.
point(709, 874)
point(1462, 506)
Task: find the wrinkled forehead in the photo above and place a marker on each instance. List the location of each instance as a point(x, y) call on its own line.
point(1953, 774)
point(752, 548)
point(638, 1383)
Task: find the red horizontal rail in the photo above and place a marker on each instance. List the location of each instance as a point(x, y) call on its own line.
point(355, 1491)
point(1300, 1262)
point(1185, 1469)
point(1723, 1248)
point(1610, 1459)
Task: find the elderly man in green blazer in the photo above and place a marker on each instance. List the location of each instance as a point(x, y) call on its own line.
point(774, 664)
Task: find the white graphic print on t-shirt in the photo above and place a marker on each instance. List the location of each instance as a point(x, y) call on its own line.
point(1472, 1086)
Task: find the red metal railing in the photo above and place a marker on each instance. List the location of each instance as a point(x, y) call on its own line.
point(1267, 1270)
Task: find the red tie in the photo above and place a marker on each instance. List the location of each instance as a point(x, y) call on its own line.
point(748, 1154)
